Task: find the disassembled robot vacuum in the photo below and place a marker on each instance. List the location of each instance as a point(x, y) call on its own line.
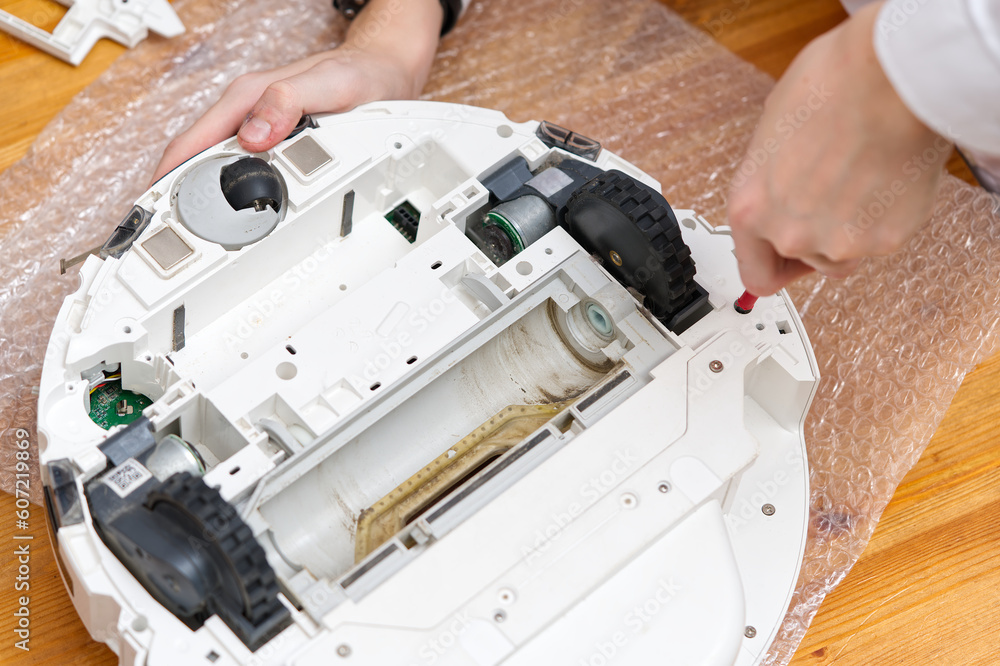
point(423, 386)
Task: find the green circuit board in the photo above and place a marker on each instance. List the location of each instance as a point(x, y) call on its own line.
point(405, 218)
point(111, 405)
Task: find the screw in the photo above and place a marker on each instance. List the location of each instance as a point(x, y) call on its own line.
point(616, 258)
point(664, 487)
point(750, 631)
point(499, 616)
point(715, 366)
point(768, 509)
point(343, 650)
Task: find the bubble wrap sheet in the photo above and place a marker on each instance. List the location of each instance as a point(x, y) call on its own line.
point(893, 342)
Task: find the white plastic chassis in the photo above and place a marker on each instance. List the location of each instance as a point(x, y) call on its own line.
point(663, 521)
point(127, 22)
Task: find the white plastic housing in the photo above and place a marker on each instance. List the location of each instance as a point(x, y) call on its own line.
point(636, 527)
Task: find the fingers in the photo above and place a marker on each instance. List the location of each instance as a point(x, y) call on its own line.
point(762, 270)
point(227, 115)
point(326, 86)
point(218, 124)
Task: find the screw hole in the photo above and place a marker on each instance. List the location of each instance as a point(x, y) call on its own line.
point(343, 287)
point(286, 370)
point(127, 330)
point(397, 145)
point(524, 268)
point(504, 131)
point(760, 327)
point(548, 250)
point(244, 355)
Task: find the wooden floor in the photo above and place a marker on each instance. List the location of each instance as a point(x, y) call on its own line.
point(925, 592)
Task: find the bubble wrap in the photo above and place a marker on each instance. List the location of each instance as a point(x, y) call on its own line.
point(893, 342)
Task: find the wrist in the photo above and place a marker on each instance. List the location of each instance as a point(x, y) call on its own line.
point(401, 33)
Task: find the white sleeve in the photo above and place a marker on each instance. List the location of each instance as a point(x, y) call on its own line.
point(943, 59)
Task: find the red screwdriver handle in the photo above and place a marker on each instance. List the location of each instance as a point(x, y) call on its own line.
point(744, 304)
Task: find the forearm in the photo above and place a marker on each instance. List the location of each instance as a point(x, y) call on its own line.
point(406, 31)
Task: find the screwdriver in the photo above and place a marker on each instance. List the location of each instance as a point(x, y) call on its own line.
point(744, 304)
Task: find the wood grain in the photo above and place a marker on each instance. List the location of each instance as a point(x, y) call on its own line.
point(57, 634)
point(35, 85)
point(927, 589)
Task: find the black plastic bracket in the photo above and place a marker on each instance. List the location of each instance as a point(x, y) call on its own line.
point(554, 136)
point(126, 232)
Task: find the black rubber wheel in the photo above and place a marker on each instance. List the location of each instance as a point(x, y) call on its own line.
point(251, 183)
point(229, 566)
point(632, 229)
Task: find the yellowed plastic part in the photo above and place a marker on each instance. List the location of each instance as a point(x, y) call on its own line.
point(448, 471)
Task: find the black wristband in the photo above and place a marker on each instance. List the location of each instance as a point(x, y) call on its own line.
point(452, 10)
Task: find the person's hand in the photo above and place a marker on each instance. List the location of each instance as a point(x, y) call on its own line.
point(838, 169)
point(387, 55)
